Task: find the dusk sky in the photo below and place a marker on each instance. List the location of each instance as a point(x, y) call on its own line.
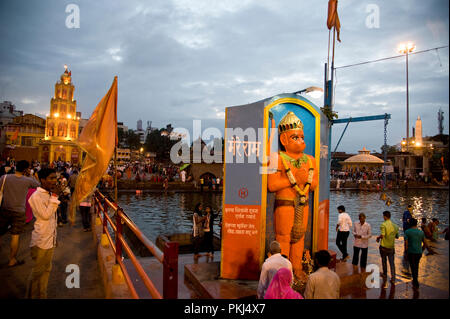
point(180, 60)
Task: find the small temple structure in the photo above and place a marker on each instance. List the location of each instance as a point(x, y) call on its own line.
point(362, 162)
point(62, 124)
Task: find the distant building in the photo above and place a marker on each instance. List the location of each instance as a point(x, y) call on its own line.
point(121, 126)
point(123, 155)
point(421, 155)
point(81, 125)
point(23, 135)
point(149, 129)
point(363, 161)
point(139, 131)
point(7, 113)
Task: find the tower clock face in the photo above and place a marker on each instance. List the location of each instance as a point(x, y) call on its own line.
point(66, 81)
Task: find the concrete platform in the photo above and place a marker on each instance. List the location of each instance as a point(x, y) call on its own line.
point(204, 277)
point(74, 247)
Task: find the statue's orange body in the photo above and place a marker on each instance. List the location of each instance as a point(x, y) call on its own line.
point(279, 183)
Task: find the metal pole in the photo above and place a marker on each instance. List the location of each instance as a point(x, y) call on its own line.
point(170, 270)
point(407, 103)
point(115, 174)
point(385, 151)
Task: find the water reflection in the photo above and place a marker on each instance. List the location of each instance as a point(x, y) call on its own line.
point(165, 213)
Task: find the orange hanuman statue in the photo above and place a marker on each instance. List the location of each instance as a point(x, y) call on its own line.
point(295, 177)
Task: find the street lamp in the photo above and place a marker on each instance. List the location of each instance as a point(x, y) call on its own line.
point(315, 91)
point(406, 48)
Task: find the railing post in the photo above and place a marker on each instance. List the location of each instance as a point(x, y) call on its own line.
point(119, 230)
point(170, 271)
point(105, 221)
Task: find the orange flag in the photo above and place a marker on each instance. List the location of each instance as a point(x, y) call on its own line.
point(98, 139)
point(15, 136)
point(333, 18)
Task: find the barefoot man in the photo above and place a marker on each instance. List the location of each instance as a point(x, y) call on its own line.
point(296, 176)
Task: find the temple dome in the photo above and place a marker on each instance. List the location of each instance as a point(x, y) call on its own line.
point(363, 157)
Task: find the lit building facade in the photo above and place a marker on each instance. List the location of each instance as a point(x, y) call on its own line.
point(62, 127)
point(22, 136)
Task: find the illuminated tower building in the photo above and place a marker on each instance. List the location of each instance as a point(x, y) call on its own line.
point(418, 132)
point(62, 124)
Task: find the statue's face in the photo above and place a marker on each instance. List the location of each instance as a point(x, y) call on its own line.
point(293, 141)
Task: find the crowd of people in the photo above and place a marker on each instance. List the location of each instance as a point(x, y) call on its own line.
point(39, 193)
point(378, 176)
point(276, 277)
point(356, 175)
point(415, 241)
point(153, 172)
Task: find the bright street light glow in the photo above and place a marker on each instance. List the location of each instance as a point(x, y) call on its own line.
point(406, 47)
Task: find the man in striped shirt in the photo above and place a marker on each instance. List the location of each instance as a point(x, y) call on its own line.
point(362, 232)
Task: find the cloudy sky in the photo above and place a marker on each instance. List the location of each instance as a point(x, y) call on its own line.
point(180, 60)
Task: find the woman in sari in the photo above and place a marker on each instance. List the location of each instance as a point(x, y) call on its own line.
point(280, 286)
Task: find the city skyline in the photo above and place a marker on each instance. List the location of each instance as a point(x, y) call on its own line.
point(179, 61)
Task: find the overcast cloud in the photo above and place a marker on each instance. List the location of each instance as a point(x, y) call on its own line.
point(180, 60)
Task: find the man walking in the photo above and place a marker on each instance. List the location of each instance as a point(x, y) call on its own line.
point(362, 232)
point(13, 206)
point(44, 203)
point(343, 231)
point(270, 268)
point(389, 232)
point(407, 217)
point(413, 241)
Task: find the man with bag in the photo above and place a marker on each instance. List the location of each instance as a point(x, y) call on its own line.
point(14, 189)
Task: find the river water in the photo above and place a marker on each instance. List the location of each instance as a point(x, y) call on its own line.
point(160, 213)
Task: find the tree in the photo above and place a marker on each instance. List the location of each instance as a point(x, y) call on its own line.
point(390, 149)
point(160, 142)
point(132, 140)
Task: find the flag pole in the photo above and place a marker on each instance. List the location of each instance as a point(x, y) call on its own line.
point(115, 173)
point(329, 38)
point(115, 156)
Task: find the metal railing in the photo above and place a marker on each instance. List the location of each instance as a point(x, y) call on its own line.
point(169, 258)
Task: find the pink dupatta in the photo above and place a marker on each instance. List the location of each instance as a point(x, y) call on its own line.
point(280, 286)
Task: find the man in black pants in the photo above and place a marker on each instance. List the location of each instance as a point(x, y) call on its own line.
point(414, 238)
point(343, 230)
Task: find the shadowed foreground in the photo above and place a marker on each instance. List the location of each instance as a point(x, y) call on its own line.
point(74, 247)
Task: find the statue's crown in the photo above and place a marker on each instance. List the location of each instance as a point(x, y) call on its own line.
point(289, 122)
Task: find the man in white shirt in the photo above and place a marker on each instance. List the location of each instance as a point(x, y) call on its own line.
point(362, 232)
point(323, 283)
point(343, 231)
point(44, 203)
point(270, 268)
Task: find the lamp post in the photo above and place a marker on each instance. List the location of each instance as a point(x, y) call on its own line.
point(407, 48)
